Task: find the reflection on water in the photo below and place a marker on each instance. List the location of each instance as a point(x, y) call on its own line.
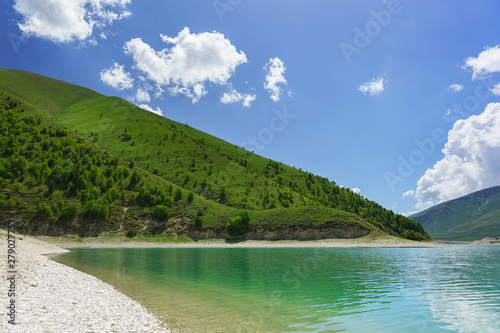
point(463, 291)
point(307, 290)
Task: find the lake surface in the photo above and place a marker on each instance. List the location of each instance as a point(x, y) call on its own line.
point(453, 289)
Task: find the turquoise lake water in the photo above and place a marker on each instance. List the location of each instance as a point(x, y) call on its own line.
point(452, 289)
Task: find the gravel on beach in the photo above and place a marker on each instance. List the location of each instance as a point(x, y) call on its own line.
point(52, 298)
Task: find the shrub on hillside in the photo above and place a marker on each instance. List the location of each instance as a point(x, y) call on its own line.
point(95, 210)
point(178, 195)
point(44, 210)
point(70, 210)
point(161, 212)
point(198, 222)
point(237, 225)
point(131, 232)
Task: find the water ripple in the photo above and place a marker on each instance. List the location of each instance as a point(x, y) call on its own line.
point(454, 289)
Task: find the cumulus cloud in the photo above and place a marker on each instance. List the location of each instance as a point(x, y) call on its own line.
point(142, 96)
point(373, 87)
point(275, 78)
point(471, 160)
point(234, 96)
point(192, 61)
point(496, 90)
point(487, 62)
point(148, 108)
point(64, 21)
point(116, 77)
point(409, 193)
point(356, 190)
point(456, 87)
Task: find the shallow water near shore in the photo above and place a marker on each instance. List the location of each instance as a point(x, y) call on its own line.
point(307, 290)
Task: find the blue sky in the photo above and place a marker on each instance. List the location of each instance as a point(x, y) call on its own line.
point(395, 99)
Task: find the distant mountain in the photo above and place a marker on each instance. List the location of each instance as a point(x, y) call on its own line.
point(75, 161)
point(468, 218)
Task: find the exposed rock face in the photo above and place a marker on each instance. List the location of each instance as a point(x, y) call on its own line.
point(307, 234)
point(79, 226)
point(179, 226)
point(285, 234)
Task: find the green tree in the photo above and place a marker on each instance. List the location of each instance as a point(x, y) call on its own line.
point(95, 210)
point(178, 195)
point(168, 201)
point(135, 178)
point(234, 227)
point(237, 225)
point(70, 210)
point(21, 164)
point(44, 210)
point(57, 174)
point(161, 212)
point(198, 222)
point(285, 203)
point(81, 183)
point(94, 176)
point(110, 182)
point(222, 194)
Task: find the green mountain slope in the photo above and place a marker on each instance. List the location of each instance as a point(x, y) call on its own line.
point(468, 218)
point(48, 96)
point(217, 181)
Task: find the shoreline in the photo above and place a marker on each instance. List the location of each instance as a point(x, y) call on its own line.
point(57, 298)
point(52, 297)
point(363, 242)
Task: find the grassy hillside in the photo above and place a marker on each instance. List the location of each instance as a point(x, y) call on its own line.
point(470, 217)
point(224, 180)
point(35, 90)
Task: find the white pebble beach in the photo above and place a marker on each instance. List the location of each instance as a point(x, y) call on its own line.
point(54, 298)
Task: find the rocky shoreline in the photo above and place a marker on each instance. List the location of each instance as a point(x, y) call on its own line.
point(51, 297)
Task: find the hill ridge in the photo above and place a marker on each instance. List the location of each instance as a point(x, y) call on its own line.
point(469, 217)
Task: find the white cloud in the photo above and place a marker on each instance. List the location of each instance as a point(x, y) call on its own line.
point(63, 21)
point(496, 90)
point(409, 193)
point(456, 87)
point(193, 61)
point(471, 160)
point(148, 108)
point(487, 62)
point(275, 69)
point(423, 205)
point(356, 190)
point(410, 213)
point(249, 99)
point(234, 96)
point(116, 77)
point(373, 87)
point(142, 96)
